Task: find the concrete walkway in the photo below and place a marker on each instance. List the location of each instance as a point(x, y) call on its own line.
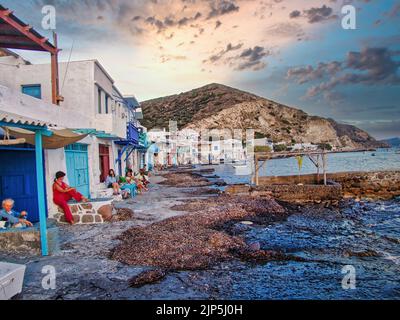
point(83, 269)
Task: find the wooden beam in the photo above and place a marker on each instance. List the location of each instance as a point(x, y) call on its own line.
point(21, 47)
point(324, 160)
point(25, 30)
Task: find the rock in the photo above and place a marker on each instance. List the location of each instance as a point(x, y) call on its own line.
point(87, 218)
point(123, 214)
point(87, 206)
point(106, 212)
point(255, 246)
point(147, 277)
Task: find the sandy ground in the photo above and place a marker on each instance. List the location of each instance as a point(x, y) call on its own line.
point(83, 268)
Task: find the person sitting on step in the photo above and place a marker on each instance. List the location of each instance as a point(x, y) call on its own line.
point(62, 193)
point(112, 182)
point(13, 218)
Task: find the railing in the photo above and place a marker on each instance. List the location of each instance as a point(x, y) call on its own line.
point(132, 133)
point(143, 140)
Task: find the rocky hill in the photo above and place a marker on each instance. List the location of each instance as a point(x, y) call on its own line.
point(393, 142)
point(216, 106)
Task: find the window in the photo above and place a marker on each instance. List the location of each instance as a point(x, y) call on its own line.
point(106, 104)
point(33, 90)
point(99, 99)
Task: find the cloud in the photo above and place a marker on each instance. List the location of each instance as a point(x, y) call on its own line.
point(370, 66)
point(248, 59)
point(222, 7)
point(252, 59)
point(309, 73)
point(221, 54)
point(314, 14)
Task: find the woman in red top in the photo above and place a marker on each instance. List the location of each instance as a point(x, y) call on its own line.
point(62, 193)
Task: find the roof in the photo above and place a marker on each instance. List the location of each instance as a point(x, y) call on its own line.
point(16, 34)
point(133, 103)
point(13, 118)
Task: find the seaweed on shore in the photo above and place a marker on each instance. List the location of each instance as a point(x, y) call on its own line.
point(196, 240)
point(185, 179)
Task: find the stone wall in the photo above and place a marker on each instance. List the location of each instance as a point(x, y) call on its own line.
point(380, 185)
point(301, 193)
point(27, 241)
point(293, 193)
point(373, 185)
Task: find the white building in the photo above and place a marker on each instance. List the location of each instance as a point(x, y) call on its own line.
point(304, 146)
point(227, 151)
point(92, 104)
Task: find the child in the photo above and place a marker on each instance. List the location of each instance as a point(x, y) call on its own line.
point(13, 218)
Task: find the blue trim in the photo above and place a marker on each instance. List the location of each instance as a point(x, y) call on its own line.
point(41, 192)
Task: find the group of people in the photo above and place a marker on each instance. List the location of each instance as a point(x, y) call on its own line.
point(130, 185)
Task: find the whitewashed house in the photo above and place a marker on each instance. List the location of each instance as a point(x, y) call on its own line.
point(92, 105)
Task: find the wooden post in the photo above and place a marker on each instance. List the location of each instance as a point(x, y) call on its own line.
point(324, 167)
point(55, 90)
point(41, 192)
point(256, 166)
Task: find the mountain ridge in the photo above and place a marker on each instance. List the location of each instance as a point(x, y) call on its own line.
point(217, 106)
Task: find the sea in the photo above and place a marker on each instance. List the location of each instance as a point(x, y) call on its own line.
point(351, 252)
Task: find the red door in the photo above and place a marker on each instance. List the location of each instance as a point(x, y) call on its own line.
point(104, 152)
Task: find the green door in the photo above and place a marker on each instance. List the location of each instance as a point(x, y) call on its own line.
point(78, 167)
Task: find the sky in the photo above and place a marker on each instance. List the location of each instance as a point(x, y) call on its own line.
point(295, 52)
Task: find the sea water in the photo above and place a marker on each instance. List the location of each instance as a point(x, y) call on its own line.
point(382, 159)
point(361, 236)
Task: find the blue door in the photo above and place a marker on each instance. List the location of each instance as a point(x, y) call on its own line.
point(18, 180)
point(77, 167)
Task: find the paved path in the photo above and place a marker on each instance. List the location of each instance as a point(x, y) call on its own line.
point(83, 269)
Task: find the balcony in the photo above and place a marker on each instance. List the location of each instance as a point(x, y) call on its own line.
point(143, 140)
point(132, 133)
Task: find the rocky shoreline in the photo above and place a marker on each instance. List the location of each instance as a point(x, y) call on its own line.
point(187, 240)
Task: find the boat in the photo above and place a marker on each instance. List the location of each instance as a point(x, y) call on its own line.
point(242, 170)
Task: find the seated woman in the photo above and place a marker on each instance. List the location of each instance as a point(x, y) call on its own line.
point(112, 182)
point(13, 218)
point(144, 175)
point(129, 183)
point(140, 182)
point(62, 193)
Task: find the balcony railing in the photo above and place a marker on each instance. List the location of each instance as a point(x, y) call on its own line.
point(143, 140)
point(132, 133)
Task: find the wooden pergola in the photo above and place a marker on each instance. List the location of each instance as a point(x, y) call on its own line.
point(15, 34)
point(318, 158)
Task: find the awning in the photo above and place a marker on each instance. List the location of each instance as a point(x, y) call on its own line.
point(59, 138)
point(17, 119)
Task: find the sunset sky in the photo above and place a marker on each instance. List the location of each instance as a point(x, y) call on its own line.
point(291, 51)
